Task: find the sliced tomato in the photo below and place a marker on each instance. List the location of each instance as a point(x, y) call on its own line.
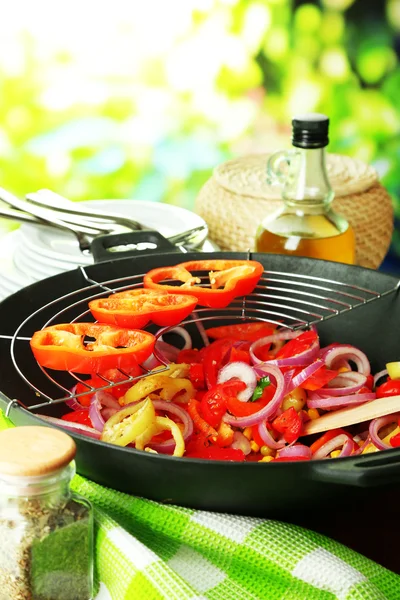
point(327, 437)
point(395, 441)
point(190, 355)
point(198, 447)
point(289, 424)
point(319, 379)
point(389, 388)
point(214, 402)
point(78, 416)
point(289, 458)
point(245, 409)
point(90, 347)
point(196, 376)
point(242, 331)
point(298, 345)
point(237, 354)
point(214, 357)
point(370, 382)
point(256, 436)
point(134, 309)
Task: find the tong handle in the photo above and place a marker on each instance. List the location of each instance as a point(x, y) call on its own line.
point(123, 245)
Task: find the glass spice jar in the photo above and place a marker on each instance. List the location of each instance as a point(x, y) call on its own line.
point(46, 531)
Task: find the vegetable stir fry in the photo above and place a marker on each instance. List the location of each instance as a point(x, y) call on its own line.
point(245, 397)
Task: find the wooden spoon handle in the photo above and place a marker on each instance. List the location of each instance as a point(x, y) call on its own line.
point(356, 414)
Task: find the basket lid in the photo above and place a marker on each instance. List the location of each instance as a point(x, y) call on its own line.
point(246, 176)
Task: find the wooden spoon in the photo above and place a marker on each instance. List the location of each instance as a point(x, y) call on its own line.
point(351, 416)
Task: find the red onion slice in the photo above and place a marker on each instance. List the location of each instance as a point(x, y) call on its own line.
point(326, 402)
point(240, 442)
point(188, 344)
point(304, 375)
point(244, 372)
point(376, 425)
point(266, 436)
point(383, 373)
point(346, 383)
point(349, 353)
point(299, 360)
point(267, 411)
point(74, 427)
point(178, 411)
point(333, 444)
point(271, 339)
point(295, 451)
point(73, 404)
point(95, 413)
point(361, 448)
point(107, 399)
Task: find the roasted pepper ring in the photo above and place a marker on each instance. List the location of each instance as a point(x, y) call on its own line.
point(228, 280)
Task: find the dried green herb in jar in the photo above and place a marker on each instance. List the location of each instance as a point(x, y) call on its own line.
point(46, 532)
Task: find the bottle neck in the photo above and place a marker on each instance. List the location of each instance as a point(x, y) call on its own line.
point(307, 186)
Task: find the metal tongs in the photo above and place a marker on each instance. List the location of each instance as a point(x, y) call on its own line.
point(47, 208)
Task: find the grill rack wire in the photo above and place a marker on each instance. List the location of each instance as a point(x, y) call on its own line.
point(289, 300)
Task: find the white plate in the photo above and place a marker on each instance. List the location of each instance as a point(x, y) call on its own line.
point(62, 246)
point(11, 280)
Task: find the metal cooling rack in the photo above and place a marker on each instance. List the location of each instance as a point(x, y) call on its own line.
point(286, 299)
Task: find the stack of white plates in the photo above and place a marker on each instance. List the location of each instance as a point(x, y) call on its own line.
point(34, 252)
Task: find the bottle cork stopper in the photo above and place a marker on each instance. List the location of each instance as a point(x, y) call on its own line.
point(33, 451)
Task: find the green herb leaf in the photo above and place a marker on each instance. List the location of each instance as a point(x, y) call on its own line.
point(258, 392)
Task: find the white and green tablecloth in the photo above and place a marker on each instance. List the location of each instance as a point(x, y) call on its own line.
point(150, 551)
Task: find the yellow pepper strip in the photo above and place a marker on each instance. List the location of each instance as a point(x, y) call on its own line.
point(169, 387)
point(144, 438)
point(165, 423)
point(126, 425)
point(371, 448)
point(393, 368)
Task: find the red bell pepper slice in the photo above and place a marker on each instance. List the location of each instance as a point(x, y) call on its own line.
point(389, 388)
point(134, 309)
point(78, 416)
point(245, 409)
point(228, 279)
point(289, 424)
point(214, 402)
point(64, 347)
point(319, 379)
point(248, 332)
point(297, 345)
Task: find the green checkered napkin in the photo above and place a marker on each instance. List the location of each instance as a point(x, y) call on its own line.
point(151, 551)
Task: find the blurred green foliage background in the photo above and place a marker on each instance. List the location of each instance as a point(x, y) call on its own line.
point(142, 99)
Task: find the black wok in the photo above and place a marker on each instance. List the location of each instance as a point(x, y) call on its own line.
point(247, 488)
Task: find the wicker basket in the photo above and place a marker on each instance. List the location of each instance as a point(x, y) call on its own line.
point(236, 198)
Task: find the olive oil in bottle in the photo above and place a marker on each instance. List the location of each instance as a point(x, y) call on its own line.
point(306, 225)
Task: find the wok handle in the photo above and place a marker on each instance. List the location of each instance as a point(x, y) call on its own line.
point(134, 243)
point(375, 469)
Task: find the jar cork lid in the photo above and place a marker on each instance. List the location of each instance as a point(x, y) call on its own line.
point(34, 451)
